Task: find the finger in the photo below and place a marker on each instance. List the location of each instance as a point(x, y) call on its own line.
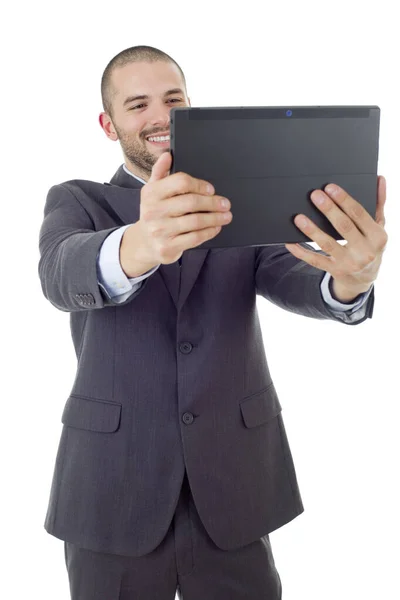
point(314, 259)
point(194, 222)
point(186, 204)
point(380, 216)
point(355, 211)
point(339, 219)
point(177, 183)
point(161, 167)
point(192, 239)
point(324, 241)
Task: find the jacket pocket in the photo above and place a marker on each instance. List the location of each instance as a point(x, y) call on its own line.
point(260, 407)
point(91, 414)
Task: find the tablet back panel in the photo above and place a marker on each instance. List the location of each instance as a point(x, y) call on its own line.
point(267, 163)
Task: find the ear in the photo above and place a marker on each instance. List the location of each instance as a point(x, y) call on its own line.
point(107, 126)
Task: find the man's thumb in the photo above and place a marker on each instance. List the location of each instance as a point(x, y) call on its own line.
point(161, 167)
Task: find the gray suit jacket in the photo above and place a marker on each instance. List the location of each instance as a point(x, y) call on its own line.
point(173, 378)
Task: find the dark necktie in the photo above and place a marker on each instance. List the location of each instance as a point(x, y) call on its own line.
point(180, 261)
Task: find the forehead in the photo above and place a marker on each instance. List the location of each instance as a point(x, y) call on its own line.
point(152, 79)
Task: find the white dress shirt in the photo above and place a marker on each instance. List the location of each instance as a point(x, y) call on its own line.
point(119, 287)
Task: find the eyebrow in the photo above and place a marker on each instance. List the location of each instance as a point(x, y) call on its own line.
point(146, 97)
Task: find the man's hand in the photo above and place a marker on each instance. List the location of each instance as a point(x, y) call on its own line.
point(354, 266)
point(177, 212)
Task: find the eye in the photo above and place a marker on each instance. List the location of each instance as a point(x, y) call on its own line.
point(172, 100)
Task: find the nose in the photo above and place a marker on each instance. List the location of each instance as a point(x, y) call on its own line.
point(161, 120)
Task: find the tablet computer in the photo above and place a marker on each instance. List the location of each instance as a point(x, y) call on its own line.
point(267, 160)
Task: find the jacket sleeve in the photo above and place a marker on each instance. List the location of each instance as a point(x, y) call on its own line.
point(69, 246)
point(294, 285)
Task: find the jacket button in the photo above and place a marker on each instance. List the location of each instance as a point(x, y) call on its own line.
point(185, 347)
point(187, 418)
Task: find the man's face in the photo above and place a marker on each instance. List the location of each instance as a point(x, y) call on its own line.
point(136, 119)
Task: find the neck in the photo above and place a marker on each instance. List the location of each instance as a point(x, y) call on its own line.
point(135, 171)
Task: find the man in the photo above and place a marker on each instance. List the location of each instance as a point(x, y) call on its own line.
point(173, 464)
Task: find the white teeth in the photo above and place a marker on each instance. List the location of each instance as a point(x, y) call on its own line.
point(164, 138)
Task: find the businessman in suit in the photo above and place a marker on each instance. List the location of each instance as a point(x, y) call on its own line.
point(173, 464)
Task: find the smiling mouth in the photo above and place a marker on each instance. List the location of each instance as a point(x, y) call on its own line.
point(165, 143)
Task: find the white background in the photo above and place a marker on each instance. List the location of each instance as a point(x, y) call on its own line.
point(338, 384)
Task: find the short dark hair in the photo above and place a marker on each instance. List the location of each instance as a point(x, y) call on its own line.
point(130, 55)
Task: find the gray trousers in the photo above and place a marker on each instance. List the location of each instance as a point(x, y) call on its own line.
point(187, 563)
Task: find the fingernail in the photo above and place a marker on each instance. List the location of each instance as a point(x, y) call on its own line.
point(210, 188)
point(331, 189)
point(302, 221)
point(318, 198)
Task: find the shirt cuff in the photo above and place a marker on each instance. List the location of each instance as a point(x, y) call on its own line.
point(109, 271)
point(335, 304)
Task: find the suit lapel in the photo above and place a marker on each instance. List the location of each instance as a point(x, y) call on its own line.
point(123, 196)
